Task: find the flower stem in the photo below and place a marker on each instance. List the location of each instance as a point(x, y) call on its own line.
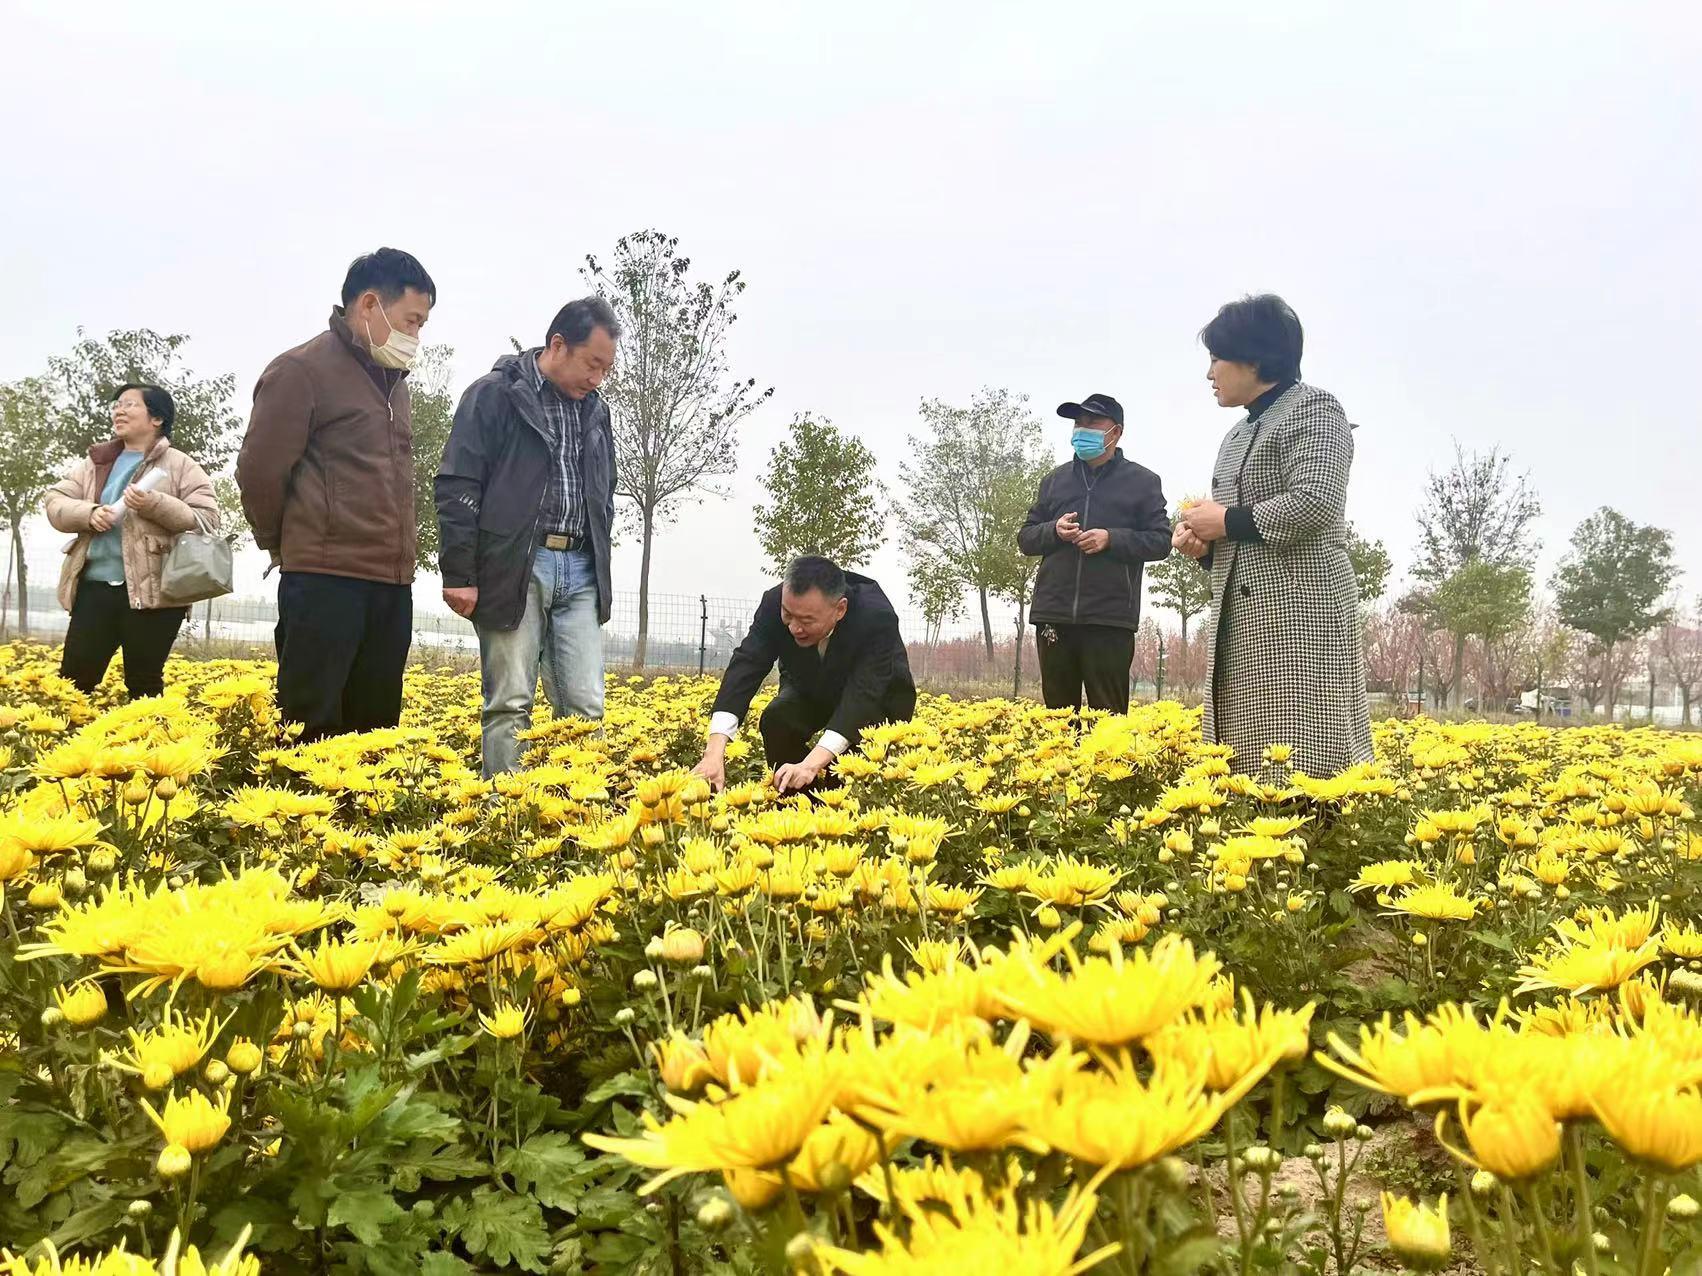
point(1654, 1215)
point(1581, 1204)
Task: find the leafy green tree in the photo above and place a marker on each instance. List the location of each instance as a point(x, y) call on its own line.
point(207, 426)
point(1476, 511)
point(1178, 584)
point(824, 496)
point(232, 521)
point(32, 455)
point(433, 414)
point(968, 485)
point(1611, 585)
point(1371, 566)
point(1018, 584)
point(676, 407)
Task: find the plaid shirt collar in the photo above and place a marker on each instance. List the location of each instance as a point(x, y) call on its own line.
point(540, 383)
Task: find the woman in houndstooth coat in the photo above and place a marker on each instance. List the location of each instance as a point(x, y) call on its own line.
point(1286, 664)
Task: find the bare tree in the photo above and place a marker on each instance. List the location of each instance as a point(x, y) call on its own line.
point(675, 405)
point(1680, 646)
point(1393, 640)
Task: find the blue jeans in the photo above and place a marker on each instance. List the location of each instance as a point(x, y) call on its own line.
point(560, 633)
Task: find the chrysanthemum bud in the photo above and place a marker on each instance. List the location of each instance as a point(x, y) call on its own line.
point(571, 997)
point(715, 1214)
point(174, 1161)
point(1364, 1134)
point(1683, 1207)
point(44, 895)
point(1262, 1159)
point(702, 973)
point(52, 1017)
point(644, 980)
point(157, 1075)
point(1483, 1183)
point(243, 1058)
point(1313, 1152)
point(166, 789)
point(139, 1208)
point(1048, 918)
point(653, 949)
point(1338, 1124)
point(683, 946)
point(1174, 1171)
point(624, 1017)
point(102, 860)
point(800, 1250)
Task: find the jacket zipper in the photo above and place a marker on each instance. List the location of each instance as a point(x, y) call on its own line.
point(1086, 507)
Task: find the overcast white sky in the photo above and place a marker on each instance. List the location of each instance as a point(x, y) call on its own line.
point(1485, 214)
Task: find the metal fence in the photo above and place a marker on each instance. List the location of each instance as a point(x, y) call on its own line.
point(686, 635)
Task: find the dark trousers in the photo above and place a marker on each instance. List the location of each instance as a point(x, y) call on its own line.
point(342, 647)
point(102, 621)
point(793, 718)
point(1090, 658)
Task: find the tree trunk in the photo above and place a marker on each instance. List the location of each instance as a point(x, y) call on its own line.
point(6, 599)
point(1457, 692)
point(1184, 616)
point(1016, 664)
point(1684, 694)
point(649, 534)
point(986, 626)
point(207, 625)
point(23, 578)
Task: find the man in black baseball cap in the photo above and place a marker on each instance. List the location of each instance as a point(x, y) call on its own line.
point(1095, 521)
point(1093, 407)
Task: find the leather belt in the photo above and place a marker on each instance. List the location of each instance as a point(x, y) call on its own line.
point(561, 540)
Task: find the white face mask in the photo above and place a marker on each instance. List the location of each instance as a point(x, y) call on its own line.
point(398, 350)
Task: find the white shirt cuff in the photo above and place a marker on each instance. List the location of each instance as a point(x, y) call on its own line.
point(723, 724)
point(834, 743)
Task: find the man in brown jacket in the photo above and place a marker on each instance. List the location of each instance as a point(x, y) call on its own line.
point(327, 479)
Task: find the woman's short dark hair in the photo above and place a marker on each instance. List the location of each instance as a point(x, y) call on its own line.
point(1263, 331)
point(577, 320)
point(389, 272)
point(815, 572)
point(157, 401)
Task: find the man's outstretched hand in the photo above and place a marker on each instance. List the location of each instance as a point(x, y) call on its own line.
point(713, 766)
point(795, 777)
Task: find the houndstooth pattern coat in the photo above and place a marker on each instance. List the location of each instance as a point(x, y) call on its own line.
point(1293, 664)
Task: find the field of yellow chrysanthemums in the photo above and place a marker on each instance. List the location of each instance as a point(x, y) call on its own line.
point(1018, 997)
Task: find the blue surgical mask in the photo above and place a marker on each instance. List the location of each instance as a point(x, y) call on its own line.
point(1087, 444)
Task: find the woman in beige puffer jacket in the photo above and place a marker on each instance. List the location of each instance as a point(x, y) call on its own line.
point(126, 501)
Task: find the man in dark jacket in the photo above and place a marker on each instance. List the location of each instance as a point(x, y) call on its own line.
point(525, 506)
point(327, 479)
point(1095, 521)
point(843, 667)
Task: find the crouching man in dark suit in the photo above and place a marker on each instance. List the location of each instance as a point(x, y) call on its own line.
point(842, 668)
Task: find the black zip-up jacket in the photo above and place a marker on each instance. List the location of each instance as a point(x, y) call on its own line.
point(1073, 588)
point(490, 492)
point(863, 679)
